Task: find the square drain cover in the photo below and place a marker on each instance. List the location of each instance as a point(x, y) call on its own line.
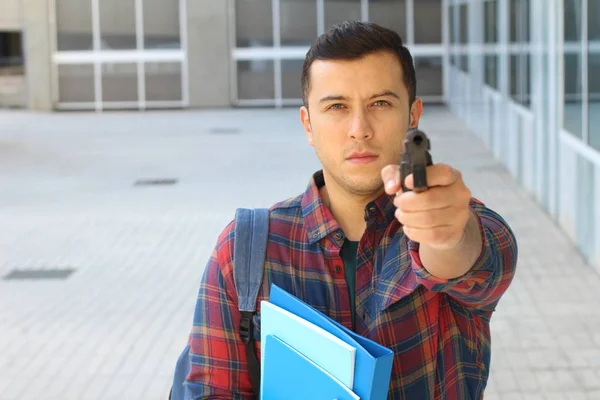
point(38, 274)
point(155, 182)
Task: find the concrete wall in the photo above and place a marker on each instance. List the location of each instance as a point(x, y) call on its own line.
point(38, 51)
point(209, 53)
point(12, 91)
point(10, 15)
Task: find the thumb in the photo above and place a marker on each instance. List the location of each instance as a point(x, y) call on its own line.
point(390, 175)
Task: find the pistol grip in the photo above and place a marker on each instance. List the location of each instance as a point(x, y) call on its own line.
point(404, 172)
point(419, 178)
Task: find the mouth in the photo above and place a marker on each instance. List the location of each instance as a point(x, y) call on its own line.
point(362, 158)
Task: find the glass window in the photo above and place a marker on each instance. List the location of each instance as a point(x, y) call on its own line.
point(161, 24)
point(291, 72)
point(491, 70)
point(519, 21)
point(298, 22)
point(453, 33)
point(520, 61)
point(117, 25)
point(11, 53)
point(76, 83)
point(572, 20)
point(389, 13)
point(490, 24)
point(119, 82)
point(253, 23)
point(593, 20)
point(255, 79)
point(337, 11)
point(428, 21)
point(464, 23)
point(464, 35)
point(573, 67)
point(74, 25)
point(163, 81)
point(520, 84)
point(430, 79)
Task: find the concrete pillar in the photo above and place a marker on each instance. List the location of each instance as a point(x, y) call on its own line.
point(209, 53)
point(37, 48)
point(10, 15)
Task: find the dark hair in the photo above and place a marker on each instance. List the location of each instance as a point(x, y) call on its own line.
point(352, 40)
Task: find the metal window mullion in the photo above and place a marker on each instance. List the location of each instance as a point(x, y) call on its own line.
point(96, 36)
point(584, 72)
point(522, 66)
point(537, 96)
point(53, 31)
point(410, 22)
point(233, 71)
point(364, 10)
point(320, 17)
point(276, 6)
point(503, 14)
point(185, 89)
point(139, 38)
point(446, 53)
point(556, 72)
point(477, 40)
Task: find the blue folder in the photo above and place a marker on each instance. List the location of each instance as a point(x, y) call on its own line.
point(321, 347)
point(373, 363)
point(289, 375)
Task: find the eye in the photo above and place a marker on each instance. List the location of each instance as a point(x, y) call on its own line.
point(336, 106)
point(381, 103)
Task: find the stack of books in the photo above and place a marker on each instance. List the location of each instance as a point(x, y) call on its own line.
point(308, 356)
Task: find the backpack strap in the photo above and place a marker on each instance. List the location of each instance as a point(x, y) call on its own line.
point(249, 253)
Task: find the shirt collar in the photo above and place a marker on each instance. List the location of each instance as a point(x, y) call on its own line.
point(318, 220)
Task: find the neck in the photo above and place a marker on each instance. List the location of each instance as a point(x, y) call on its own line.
point(347, 209)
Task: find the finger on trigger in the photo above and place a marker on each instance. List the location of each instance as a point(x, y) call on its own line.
point(441, 175)
point(409, 181)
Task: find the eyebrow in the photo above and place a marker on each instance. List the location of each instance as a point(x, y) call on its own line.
point(385, 93)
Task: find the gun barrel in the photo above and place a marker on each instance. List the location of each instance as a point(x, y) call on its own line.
point(416, 158)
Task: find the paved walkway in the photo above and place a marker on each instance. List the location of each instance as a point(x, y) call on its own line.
point(114, 328)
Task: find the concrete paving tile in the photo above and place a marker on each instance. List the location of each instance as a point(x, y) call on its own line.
point(120, 321)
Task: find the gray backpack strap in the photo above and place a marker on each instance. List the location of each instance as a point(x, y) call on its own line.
point(249, 253)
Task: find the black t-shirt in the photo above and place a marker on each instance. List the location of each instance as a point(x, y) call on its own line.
point(348, 254)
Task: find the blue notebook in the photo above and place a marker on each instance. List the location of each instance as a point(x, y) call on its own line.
point(321, 347)
point(373, 363)
point(291, 376)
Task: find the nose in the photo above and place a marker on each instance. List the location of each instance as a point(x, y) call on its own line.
point(360, 126)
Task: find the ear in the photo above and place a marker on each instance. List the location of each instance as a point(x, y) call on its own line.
point(416, 110)
point(305, 119)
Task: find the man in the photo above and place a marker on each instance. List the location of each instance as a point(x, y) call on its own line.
point(420, 273)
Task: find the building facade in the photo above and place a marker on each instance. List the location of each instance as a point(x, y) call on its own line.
point(523, 75)
point(140, 54)
point(519, 72)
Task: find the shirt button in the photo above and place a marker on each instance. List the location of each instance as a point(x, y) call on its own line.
point(337, 269)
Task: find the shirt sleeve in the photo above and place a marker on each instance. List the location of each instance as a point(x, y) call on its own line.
point(484, 284)
point(219, 368)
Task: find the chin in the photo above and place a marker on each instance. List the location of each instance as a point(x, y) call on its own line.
point(363, 185)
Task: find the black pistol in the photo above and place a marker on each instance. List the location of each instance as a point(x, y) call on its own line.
point(415, 159)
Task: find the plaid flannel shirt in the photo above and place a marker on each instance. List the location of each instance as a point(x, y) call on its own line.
point(438, 329)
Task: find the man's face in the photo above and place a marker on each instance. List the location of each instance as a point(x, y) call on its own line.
point(358, 118)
